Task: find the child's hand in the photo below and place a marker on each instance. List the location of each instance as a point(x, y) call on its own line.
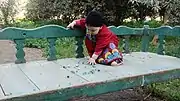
point(71, 25)
point(91, 61)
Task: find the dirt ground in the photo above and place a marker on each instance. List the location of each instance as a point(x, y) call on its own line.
point(136, 94)
point(7, 54)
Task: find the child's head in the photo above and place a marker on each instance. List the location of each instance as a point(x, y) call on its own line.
point(94, 22)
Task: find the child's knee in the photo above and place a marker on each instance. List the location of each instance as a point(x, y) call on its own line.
point(112, 45)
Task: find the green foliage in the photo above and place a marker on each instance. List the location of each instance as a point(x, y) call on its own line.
point(115, 11)
point(7, 11)
point(47, 22)
point(36, 43)
point(24, 23)
point(169, 9)
point(172, 46)
point(166, 90)
point(65, 48)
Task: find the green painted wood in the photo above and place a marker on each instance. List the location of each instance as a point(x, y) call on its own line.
point(161, 45)
point(176, 31)
point(52, 49)
point(162, 76)
point(47, 31)
point(124, 30)
point(166, 30)
point(83, 90)
point(126, 44)
point(14, 82)
point(79, 47)
point(51, 31)
point(145, 39)
point(99, 88)
point(20, 54)
point(163, 30)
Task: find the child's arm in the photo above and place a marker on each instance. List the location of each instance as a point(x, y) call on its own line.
point(79, 22)
point(101, 43)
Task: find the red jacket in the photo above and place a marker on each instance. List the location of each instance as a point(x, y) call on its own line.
point(103, 38)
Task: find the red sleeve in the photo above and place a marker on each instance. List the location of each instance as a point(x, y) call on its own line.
point(103, 38)
point(81, 23)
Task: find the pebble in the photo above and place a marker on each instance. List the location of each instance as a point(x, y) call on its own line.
point(68, 66)
point(84, 73)
point(64, 66)
point(77, 65)
point(73, 72)
point(92, 71)
point(93, 66)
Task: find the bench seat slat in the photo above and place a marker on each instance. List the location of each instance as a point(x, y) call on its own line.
point(81, 68)
point(48, 75)
point(142, 63)
point(14, 82)
point(1, 92)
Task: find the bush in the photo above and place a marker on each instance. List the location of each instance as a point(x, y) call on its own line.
point(36, 43)
point(138, 24)
point(24, 23)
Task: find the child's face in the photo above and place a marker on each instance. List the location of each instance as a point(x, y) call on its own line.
point(92, 30)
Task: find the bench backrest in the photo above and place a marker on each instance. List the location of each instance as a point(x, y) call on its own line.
point(52, 32)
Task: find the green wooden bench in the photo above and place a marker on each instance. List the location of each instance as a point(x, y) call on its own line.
point(62, 79)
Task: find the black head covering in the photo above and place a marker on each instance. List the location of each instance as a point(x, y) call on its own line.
point(94, 19)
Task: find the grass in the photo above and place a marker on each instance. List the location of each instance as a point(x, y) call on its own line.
point(169, 90)
point(65, 47)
